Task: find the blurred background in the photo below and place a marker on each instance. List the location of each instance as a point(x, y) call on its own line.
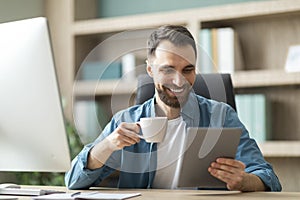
point(100, 48)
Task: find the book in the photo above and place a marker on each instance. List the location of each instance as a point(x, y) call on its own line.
point(254, 111)
point(225, 38)
point(292, 63)
point(98, 70)
point(227, 51)
point(90, 119)
point(205, 54)
point(128, 67)
point(87, 196)
point(214, 46)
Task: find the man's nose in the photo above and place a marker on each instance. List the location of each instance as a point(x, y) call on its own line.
point(178, 79)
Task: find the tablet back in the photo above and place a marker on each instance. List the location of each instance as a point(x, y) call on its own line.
point(203, 146)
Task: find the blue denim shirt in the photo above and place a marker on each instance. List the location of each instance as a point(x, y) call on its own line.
point(137, 163)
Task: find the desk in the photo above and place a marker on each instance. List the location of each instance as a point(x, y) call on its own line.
point(186, 194)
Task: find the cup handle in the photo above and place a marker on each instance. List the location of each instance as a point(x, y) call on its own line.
point(140, 136)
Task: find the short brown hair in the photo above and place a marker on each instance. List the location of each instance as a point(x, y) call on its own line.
point(177, 35)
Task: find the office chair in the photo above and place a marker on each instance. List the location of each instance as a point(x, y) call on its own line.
point(213, 86)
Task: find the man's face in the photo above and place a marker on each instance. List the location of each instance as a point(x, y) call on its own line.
point(173, 72)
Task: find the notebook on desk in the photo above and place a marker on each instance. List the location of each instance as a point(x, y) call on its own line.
point(87, 196)
point(13, 189)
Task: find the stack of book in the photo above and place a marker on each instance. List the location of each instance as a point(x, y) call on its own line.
point(99, 70)
point(220, 51)
point(125, 67)
point(90, 119)
point(254, 111)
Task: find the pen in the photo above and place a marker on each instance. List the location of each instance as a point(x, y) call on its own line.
point(75, 194)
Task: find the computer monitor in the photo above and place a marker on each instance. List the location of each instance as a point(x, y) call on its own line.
point(32, 130)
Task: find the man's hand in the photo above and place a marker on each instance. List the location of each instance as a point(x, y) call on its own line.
point(232, 172)
point(125, 135)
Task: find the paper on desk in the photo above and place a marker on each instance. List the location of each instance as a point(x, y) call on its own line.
point(87, 196)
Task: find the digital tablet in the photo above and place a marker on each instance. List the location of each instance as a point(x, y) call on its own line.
point(202, 147)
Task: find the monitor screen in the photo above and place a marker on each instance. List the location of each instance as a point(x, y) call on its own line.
point(32, 130)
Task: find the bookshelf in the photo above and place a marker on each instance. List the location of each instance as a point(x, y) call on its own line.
point(105, 87)
point(264, 78)
point(280, 147)
point(266, 30)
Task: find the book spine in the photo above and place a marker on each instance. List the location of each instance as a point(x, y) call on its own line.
point(128, 67)
point(253, 112)
point(100, 70)
point(206, 62)
point(226, 50)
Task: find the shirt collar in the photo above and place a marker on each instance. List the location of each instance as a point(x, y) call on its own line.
point(190, 111)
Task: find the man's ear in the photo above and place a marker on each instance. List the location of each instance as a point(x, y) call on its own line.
point(149, 69)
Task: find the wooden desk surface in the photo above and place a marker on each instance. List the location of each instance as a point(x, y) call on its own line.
point(184, 194)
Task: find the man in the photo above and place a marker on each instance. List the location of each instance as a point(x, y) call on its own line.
point(171, 62)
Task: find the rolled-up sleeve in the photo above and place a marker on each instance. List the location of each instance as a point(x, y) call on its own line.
point(249, 153)
point(80, 177)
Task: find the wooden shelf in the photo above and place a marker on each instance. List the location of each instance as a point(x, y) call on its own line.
point(243, 79)
point(118, 24)
point(199, 15)
point(280, 148)
point(264, 78)
point(104, 87)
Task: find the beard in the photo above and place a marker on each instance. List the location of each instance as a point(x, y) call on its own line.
point(172, 99)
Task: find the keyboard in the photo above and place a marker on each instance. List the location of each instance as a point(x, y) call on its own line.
point(27, 191)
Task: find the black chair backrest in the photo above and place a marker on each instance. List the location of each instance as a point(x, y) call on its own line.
point(213, 86)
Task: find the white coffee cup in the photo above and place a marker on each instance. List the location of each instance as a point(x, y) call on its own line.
point(153, 128)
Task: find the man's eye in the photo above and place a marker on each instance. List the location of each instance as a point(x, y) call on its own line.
point(187, 71)
point(168, 71)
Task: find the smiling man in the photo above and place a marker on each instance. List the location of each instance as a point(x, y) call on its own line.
point(171, 63)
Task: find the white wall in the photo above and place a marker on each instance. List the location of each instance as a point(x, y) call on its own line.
point(11, 10)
